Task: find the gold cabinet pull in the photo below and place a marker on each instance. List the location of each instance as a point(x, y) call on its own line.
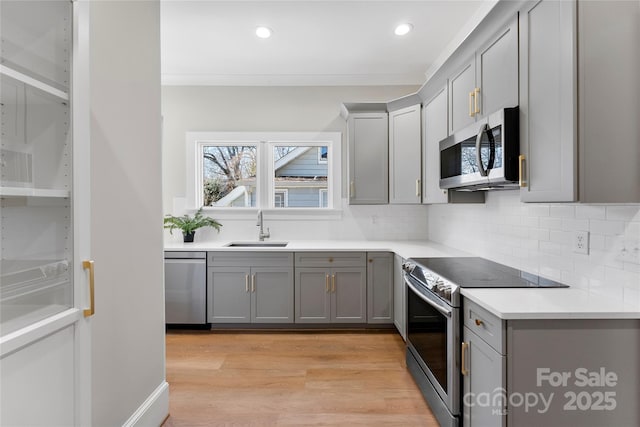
point(522, 180)
point(88, 265)
point(333, 283)
point(463, 362)
point(246, 283)
point(326, 284)
point(253, 283)
point(476, 92)
point(471, 103)
point(479, 322)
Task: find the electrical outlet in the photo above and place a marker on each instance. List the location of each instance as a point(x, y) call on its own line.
point(581, 242)
point(629, 251)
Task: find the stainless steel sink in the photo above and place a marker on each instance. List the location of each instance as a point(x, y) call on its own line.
point(257, 244)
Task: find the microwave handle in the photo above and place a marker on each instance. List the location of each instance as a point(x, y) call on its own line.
point(481, 169)
point(492, 149)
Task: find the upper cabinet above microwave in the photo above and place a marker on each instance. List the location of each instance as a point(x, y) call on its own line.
point(487, 81)
point(579, 91)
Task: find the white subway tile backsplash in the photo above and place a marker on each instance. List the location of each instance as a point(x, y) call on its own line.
point(623, 213)
point(606, 227)
point(590, 212)
point(538, 237)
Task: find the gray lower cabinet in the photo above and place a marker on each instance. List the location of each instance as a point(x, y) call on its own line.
point(380, 306)
point(483, 372)
point(254, 293)
point(399, 297)
point(548, 372)
point(330, 287)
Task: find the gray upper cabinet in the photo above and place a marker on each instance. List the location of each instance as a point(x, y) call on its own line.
point(368, 158)
point(577, 96)
point(330, 288)
point(405, 167)
point(250, 288)
point(461, 95)
point(486, 82)
point(380, 303)
point(434, 130)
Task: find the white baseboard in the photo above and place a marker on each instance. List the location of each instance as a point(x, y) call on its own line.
point(153, 410)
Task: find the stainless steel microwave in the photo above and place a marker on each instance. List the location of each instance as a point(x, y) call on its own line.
point(483, 155)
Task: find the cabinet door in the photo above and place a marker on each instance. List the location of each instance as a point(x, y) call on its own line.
point(461, 108)
point(380, 287)
point(348, 295)
point(497, 71)
point(548, 101)
point(434, 130)
point(486, 373)
point(399, 297)
point(368, 159)
point(405, 168)
point(312, 295)
point(271, 295)
point(229, 295)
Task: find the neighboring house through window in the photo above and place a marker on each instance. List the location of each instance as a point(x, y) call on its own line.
point(264, 169)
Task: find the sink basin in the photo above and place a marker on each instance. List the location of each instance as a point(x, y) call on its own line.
point(257, 244)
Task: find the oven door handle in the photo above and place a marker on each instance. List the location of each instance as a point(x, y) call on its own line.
point(425, 298)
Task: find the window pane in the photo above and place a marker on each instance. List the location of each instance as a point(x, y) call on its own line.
point(229, 175)
point(300, 172)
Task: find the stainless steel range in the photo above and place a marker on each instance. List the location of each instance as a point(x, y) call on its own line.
point(434, 322)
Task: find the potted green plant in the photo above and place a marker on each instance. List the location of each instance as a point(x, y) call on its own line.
point(189, 224)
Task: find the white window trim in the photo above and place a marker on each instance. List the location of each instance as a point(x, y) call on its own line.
point(322, 190)
point(264, 140)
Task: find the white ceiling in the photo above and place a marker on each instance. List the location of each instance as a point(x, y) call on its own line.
point(314, 42)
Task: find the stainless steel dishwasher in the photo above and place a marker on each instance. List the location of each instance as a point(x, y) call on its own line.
point(185, 287)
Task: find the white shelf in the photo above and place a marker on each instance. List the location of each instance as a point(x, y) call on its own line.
point(4, 70)
point(32, 192)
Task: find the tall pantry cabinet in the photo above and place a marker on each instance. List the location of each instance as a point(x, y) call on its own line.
point(46, 277)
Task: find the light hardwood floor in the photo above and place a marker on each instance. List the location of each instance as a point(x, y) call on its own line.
point(291, 379)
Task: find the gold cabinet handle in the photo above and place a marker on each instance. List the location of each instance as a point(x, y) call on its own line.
point(471, 103)
point(417, 187)
point(476, 92)
point(333, 283)
point(479, 322)
point(327, 288)
point(522, 180)
point(463, 362)
point(88, 265)
point(253, 283)
point(246, 283)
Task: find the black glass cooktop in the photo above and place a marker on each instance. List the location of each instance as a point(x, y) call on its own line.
point(475, 272)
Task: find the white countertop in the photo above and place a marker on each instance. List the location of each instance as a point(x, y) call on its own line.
point(510, 303)
point(550, 303)
point(406, 249)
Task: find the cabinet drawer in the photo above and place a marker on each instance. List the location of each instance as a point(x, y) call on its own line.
point(330, 259)
point(486, 325)
point(250, 259)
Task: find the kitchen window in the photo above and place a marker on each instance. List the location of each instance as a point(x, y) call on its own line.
point(287, 171)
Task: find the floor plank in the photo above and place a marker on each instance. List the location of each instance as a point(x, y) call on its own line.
point(286, 379)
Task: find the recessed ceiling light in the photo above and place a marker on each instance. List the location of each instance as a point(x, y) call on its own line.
point(403, 29)
point(263, 32)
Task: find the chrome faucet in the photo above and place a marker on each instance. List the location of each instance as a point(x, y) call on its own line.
point(262, 235)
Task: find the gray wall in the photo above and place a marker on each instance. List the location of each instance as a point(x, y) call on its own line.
point(126, 221)
point(246, 109)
